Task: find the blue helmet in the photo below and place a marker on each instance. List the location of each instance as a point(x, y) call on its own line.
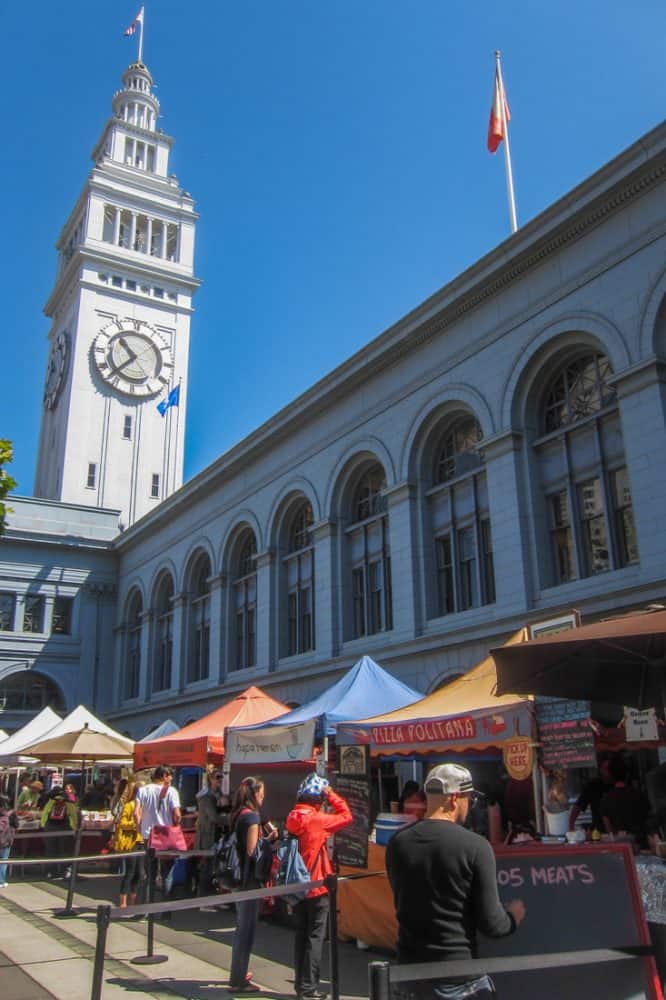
point(312, 787)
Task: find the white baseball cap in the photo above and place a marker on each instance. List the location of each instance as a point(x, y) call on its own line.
point(447, 779)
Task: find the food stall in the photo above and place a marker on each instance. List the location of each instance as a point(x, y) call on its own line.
point(465, 720)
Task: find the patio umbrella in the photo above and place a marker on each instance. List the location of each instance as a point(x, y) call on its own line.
point(82, 744)
point(621, 661)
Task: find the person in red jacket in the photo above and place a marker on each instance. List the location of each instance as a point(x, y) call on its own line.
point(313, 827)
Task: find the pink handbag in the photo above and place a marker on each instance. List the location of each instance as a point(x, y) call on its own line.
point(167, 838)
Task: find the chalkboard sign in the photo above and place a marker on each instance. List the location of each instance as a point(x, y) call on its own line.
point(565, 733)
point(351, 844)
point(577, 898)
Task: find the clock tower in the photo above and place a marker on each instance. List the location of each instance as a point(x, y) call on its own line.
point(120, 312)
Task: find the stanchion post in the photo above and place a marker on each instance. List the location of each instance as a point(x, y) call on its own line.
point(71, 888)
point(150, 958)
point(103, 920)
point(379, 982)
point(332, 886)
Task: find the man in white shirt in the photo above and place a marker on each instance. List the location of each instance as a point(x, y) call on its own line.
point(157, 804)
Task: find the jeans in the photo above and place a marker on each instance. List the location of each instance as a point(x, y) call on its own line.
point(4, 853)
point(310, 917)
point(247, 914)
point(131, 875)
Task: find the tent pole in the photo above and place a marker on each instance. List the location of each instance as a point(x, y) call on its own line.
point(538, 796)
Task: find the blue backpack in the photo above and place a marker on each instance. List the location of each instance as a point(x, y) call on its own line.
point(291, 869)
point(229, 872)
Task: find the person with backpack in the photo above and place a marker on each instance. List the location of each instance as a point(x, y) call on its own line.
point(127, 837)
point(59, 816)
point(252, 848)
point(8, 827)
point(313, 827)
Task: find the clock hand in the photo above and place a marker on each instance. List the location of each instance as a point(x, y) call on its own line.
point(130, 352)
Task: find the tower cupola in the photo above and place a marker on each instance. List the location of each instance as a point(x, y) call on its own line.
point(135, 103)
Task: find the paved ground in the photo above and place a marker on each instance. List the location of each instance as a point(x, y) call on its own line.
point(46, 956)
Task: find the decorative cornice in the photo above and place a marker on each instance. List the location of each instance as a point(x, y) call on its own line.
point(323, 529)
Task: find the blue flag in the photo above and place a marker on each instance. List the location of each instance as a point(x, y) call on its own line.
point(173, 399)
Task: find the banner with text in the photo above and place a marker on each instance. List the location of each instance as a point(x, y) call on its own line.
point(271, 744)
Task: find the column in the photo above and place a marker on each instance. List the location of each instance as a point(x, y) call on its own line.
point(265, 609)
point(407, 610)
point(642, 399)
point(509, 522)
point(328, 637)
point(146, 671)
point(116, 228)
point(179, 656)
point(218, 592)
point(132, 231)
point(163, 241)
point(149, 235)
point(120, 659)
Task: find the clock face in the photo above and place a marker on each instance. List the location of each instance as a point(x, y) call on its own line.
point(55, 371)
point(132, 357)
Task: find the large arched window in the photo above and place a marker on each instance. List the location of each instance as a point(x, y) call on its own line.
point(198, 661)
point(30, 691)
point(298, 576)
point(133, 647)
point(245, 601)
point(163, 650)
point(369, 555)
point(583, 487)
point(460, 519)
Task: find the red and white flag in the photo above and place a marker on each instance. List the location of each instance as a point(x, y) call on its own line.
point(496, 125)
point(135, 24)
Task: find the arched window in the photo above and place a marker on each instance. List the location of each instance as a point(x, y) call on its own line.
point(163, 654)
point(198, 665)
point(298, 567)
point(30, 691)
point(133, 648)
point(370, 556)
point(583, 487)
point(460, 520)
point(245, 602)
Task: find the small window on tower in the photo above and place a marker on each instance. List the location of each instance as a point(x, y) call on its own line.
point(116, 281)
point(158, 293)
point(155, 486)
point(130, 285)
point(127, 428)
point(92, 476)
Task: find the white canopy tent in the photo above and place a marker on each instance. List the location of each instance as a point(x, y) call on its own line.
point(37, 729)
point(77, 719)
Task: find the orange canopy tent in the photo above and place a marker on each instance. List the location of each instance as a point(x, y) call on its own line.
point(464, 715)
point(202, 742)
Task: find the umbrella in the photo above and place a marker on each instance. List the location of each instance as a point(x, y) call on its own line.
point(82, 744)
point(621, 661)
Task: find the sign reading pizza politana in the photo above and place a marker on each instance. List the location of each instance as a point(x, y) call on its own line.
point(518, 757)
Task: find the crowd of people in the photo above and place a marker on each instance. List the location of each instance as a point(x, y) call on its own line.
point(441, 869)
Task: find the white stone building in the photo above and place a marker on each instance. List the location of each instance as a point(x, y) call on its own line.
point(494, 458)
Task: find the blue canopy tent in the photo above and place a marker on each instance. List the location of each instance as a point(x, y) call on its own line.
point(291, 736)
point(165, 728)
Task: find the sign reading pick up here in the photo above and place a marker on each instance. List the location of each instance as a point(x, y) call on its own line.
point(271, 744)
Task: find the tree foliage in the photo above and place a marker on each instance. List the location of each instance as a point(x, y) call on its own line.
point(7, 482)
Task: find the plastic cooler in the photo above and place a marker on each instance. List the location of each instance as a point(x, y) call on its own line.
point(387, 824)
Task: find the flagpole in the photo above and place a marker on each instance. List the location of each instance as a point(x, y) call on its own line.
point(143, 14)
point(507, 151)
point(175, 454)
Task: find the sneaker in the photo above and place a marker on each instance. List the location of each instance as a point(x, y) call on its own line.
point(68, 873)
point(4, 885)
point(313, 995)
point(246, 987)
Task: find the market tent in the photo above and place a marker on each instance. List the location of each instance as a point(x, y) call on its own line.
point(620, 661)
point(82, 744)
point(11, 749)
point(165, 728)
point(80, 717)
point(202, 742)
point(366, 683)
point(464, 715)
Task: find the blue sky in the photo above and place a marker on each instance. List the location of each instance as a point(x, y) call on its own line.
point(337, 156)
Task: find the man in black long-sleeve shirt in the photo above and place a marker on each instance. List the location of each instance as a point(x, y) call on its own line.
point(444, 882)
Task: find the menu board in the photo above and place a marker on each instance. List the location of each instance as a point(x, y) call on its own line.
point(565, 733)
point(577, 899)
point(351, 843)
